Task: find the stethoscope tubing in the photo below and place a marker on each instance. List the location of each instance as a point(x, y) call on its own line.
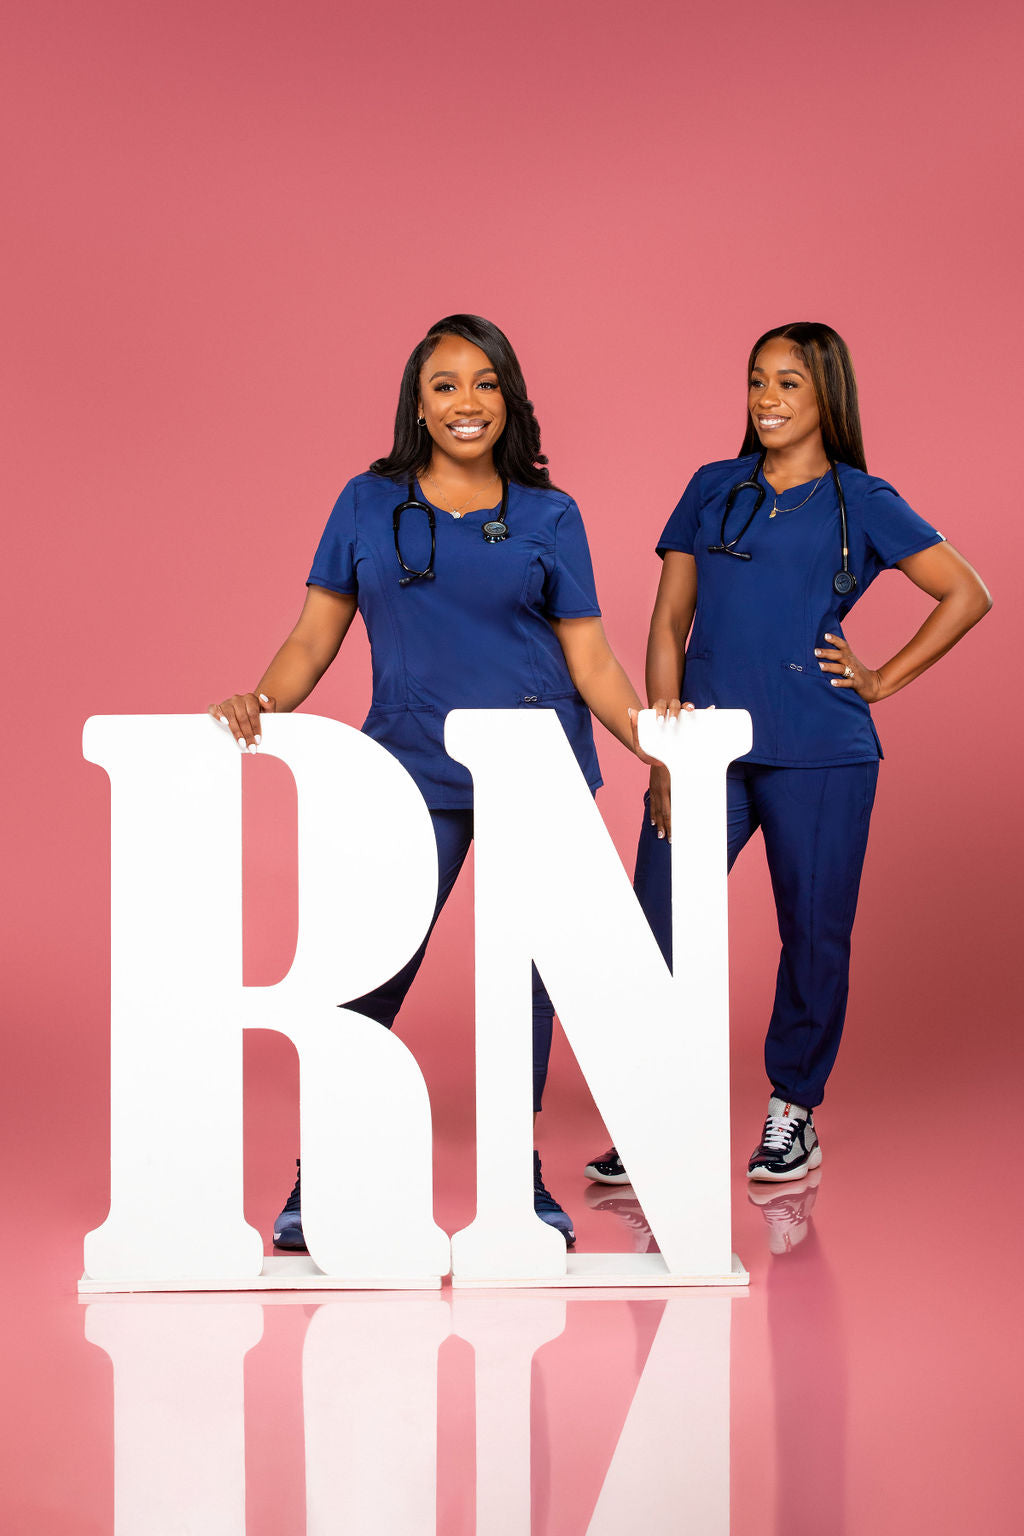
point(495, 531)
point(844, 582)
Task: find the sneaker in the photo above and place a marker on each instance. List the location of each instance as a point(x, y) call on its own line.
point(288, 1226)
point(548, 1208)
point(607, 1169)
point(789, 1144)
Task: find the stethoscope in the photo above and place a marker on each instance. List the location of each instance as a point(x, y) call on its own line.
point(843, 582)
point(494, 532)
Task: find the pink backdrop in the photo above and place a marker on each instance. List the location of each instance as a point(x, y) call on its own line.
point(225, 227)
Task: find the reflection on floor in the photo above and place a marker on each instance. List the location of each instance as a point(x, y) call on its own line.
point(824, 1400)
point(370, 1409)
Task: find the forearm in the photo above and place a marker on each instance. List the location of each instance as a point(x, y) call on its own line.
point(310, 648)
point(665, 664)
point(950, 619)
point(293, 673)
point(608, 694)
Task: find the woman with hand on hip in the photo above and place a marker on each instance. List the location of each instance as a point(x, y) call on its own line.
point(764, 557)
point(473, 577)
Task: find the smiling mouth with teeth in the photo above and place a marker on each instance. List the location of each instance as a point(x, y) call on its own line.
point(467, 429)
point(772, 421)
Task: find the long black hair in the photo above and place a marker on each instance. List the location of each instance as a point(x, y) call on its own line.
point(517, 454)
point(831, 368)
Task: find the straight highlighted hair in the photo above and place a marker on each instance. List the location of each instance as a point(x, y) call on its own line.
point(835, 384)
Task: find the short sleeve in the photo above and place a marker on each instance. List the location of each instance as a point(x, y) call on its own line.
point(569, 590)
point(334, 564)
point(892, 528)
point(681, 529)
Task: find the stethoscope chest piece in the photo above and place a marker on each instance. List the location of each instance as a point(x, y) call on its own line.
point(843, 582)
point(495, 532)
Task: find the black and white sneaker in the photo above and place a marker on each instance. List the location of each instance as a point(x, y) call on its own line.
point(607, 1169)
point(789, 1144)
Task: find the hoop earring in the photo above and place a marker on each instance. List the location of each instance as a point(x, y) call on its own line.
point(421, 421)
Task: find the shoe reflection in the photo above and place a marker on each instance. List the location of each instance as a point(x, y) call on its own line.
point(786, 1209)
point(572, 1433)
point(807, 1340)
point(620, 1201)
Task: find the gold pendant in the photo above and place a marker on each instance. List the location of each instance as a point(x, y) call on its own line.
point(772, 512)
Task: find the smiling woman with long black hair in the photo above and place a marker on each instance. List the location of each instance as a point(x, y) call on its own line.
point(764, 557)
point(473, 577)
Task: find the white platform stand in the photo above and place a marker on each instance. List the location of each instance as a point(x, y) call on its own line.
point(297, 1272)
point(623, 1270)
point(281, 1272)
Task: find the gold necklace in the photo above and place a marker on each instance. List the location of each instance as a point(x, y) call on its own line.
point(777, 494)
point(457, 511)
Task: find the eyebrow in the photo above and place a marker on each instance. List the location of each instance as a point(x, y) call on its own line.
point(799, 375)
point(449, 373)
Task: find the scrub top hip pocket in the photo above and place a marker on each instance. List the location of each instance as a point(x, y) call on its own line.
point(818, 723)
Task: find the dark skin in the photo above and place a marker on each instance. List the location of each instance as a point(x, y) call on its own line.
point(464, 413)
point(784, 410)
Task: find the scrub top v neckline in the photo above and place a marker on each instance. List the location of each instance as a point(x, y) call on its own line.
point(790, 489)
point(455, 517)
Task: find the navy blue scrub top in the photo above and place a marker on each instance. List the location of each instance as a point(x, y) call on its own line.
point(758, 621)
point(477, 636)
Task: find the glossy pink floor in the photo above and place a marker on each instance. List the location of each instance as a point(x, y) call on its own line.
point(868, 1382)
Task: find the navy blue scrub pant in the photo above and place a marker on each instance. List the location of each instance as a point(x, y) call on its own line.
point(815, 825)
point(453, 831)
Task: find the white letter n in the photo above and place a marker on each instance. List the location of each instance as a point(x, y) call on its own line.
point(653, 1046)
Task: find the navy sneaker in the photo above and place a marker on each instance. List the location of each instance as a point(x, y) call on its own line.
point(607, 1169)
point(288, 1226)
point(548, 1208)
point(789, 1144)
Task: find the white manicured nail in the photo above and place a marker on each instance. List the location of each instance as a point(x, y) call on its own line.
point(241, 743)
point(258, 739)
point(251, 747)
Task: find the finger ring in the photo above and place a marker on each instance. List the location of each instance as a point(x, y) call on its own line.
point(847, 671)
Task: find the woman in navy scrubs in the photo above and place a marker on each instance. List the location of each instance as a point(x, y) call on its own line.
point(478, 593)
point(754, 561)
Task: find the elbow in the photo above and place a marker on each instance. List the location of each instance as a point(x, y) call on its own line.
point(980, 600)
point(969, 599)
